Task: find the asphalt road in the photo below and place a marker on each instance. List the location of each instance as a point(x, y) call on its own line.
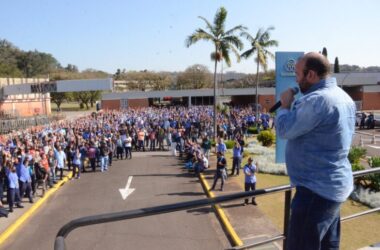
point(157, 180)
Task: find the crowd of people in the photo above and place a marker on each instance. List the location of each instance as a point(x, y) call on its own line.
point(36, 158)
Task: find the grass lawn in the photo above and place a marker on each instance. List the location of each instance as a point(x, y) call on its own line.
point(70, 106)
point(360, 232)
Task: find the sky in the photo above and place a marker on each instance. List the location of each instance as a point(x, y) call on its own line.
point(150, 34)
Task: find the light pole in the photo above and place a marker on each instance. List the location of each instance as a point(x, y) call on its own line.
point(345, 78)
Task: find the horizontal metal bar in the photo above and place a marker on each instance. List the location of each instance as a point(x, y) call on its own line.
point(143, 212)
point(366, 172)
point(360, 214)
point(109, 217)
point(247, 246)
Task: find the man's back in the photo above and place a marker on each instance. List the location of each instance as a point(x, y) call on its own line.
point(320, 140)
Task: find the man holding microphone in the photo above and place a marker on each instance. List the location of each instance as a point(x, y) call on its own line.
point(319, 128)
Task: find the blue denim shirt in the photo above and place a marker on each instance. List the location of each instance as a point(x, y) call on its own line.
point(319, 129)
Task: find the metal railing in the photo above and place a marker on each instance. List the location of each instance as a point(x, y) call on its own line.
point(59, 243)
point(8, 125)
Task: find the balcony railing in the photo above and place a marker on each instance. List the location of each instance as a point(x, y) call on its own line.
point(59, 243)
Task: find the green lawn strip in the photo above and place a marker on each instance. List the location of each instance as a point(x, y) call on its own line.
point(69, 106)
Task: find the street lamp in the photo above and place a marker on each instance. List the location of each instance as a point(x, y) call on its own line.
point(345, 78)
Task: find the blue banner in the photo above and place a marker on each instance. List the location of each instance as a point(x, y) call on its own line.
point(285, 78)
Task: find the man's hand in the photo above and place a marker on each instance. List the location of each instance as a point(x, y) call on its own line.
point(287, 97)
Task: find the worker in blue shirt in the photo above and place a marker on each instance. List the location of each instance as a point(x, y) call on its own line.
point(13, 189)
point(25, 180)
point(250, 170)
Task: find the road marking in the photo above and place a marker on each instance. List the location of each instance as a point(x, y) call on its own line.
point(30, 212)
point(371, 146)
point(125, 192)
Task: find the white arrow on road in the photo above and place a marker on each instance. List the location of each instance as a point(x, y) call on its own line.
point(125, 192)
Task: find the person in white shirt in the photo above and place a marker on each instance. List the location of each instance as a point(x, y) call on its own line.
point(61, 160)
point(128, 146)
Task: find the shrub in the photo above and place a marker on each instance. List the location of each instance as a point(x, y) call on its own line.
point(357, 167)
point(229, 144)
point(374, 179)
point(355, 154)
point(266, 138)
point(252, 130)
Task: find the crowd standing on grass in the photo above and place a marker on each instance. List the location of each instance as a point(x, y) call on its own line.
point(36, 158)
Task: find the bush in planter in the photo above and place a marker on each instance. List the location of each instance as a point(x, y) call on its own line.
point(266, 138)
point(374, 179)
point(252, 130)
point(229, 144)
point(355, 154)
point(357, 167)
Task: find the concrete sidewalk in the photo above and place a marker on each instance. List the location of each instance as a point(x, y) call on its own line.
point(249, 222)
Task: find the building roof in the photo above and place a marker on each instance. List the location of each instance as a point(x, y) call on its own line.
point(357, 79)
point(187, 92)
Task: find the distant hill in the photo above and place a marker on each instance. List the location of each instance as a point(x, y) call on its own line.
point(356, 68)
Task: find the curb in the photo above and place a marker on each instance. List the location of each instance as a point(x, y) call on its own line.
point(236, 241)
point(25, 216)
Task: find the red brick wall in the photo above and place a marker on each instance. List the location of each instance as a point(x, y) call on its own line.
point(132, 103)
point(371, 101)
point(110, 104)
point(26, 107)
point(136, 103)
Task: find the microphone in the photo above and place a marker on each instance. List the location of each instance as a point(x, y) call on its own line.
point(295, 91)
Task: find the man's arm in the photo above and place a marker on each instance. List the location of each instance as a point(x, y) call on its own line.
point(306, 114)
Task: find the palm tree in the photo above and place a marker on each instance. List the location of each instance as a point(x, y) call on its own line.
point(224, 42)
point(259, 47)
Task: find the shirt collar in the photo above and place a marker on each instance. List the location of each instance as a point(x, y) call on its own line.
point(323, 83)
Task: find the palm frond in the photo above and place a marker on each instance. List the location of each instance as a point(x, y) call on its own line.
point(248, 53)
point(247, 36)
point(226, 54)
point(234, 40)
point(208, 24)
point(199, 34)
point(232, 31)
point(220, 20)
point(236, 52)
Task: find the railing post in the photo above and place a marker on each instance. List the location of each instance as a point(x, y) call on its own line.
point(288, 197)
point(59, 243)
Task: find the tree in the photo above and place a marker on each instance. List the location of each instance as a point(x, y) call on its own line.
point(82, 97)
point(58, 98)
point(336, 65)
point(259, 47)
point(224, 42)
point(324, 52)
point(71, 68)
point(117, 75)
point(94, 96)
point(196, 76)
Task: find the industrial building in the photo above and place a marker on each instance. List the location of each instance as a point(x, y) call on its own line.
point(364, 88)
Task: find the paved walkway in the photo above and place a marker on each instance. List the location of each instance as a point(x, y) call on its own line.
point(249, 222)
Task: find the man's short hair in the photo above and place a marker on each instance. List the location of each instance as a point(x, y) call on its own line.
point(318, 63)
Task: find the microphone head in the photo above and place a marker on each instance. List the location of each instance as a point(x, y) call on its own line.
point(295, 90)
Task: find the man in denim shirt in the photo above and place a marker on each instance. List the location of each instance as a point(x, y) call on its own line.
point(319, 128)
